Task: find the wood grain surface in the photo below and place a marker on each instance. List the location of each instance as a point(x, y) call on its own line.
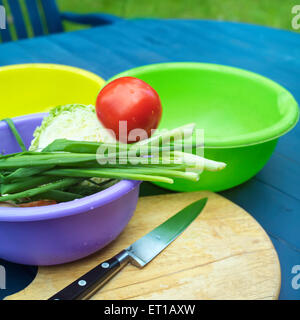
point(224, 254)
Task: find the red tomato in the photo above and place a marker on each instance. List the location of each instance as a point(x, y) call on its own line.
point(39, 203)
point(132, 100)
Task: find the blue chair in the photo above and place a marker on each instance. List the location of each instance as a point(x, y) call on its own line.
point(44, 18)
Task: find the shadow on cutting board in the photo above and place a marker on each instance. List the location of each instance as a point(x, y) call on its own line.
point(15, 277)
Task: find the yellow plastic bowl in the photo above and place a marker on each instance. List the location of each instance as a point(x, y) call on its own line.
point(33, 88)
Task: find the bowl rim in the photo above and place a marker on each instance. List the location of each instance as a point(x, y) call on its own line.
point(278, 129)
point(69, 208)
point(54, 66)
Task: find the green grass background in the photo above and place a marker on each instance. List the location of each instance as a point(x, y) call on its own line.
point(273, 13)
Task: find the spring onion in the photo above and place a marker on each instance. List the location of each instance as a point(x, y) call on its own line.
point(60, 184)
point(15, 133)
point(59, 170)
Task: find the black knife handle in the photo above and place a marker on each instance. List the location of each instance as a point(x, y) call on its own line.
point(87, 285)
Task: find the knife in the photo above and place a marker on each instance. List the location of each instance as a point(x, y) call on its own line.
point(139, 254)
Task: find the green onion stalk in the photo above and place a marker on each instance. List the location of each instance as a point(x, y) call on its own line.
point(66, 170)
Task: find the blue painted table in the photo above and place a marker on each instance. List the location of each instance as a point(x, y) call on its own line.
point(273, 196)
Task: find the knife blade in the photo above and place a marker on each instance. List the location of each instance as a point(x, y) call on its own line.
point(140, 253)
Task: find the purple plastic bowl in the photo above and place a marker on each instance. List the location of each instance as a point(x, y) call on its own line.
point(67, 231)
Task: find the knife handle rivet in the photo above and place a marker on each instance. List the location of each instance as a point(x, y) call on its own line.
point(82, 283)
point(105, 265)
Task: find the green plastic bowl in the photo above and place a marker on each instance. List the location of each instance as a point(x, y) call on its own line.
point(242, 113)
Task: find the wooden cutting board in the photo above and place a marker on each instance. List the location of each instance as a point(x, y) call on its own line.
point(224, 254)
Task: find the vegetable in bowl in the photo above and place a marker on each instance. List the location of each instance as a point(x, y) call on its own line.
point(72, 122)
point(74, 154)
point(132, 100)
point(66, 170)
